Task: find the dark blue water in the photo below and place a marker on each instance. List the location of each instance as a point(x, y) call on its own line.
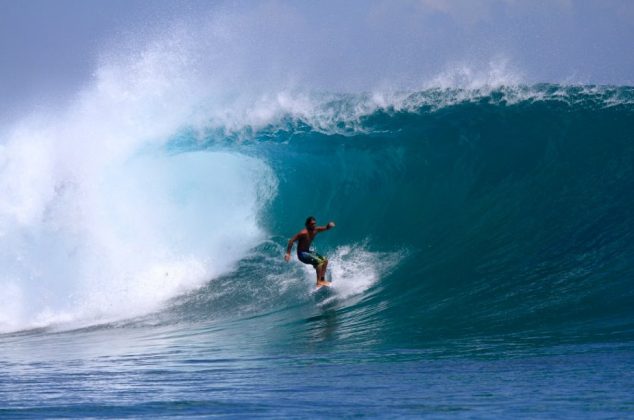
point(483, 264)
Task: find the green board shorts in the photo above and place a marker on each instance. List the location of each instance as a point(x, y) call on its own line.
point(311, 257)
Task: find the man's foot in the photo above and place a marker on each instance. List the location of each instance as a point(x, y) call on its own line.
point(323, 283)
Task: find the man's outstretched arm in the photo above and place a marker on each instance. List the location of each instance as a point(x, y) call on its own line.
point(330, 225)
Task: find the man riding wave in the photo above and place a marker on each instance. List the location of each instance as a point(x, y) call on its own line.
point(304, 239)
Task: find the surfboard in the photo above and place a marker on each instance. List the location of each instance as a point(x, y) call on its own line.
point(328, 278)
point(322, 292)
point(323, 286)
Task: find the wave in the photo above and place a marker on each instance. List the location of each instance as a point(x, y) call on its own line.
point(464, 214)
point(509, 207)
point(485, 209)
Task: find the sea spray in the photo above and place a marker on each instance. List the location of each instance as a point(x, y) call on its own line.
point(99, 220)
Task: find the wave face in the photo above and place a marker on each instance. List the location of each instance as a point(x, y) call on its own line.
point(461, 213)
point(477, 213)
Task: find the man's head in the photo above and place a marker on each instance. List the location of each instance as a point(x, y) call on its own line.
point(310, 223)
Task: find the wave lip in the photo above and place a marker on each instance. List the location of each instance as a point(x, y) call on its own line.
point(280, 116)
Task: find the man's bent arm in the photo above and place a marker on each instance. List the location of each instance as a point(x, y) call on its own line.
point(289, 248)
point(291, 242)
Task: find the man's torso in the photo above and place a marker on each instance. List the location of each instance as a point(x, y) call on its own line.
point(305, 239)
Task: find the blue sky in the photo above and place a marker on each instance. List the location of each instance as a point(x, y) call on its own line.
point(50, 48)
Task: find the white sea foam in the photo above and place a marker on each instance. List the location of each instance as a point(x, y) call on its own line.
point(97, 222)
point(354, 269)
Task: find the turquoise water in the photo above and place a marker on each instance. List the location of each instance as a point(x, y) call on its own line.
point(482, 264)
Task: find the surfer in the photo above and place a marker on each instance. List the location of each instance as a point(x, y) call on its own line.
point(304, 238)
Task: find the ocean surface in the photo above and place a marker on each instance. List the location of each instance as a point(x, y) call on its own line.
point(482, 262)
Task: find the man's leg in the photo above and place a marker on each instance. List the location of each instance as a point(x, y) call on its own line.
point(321, 274)
point(324, 265)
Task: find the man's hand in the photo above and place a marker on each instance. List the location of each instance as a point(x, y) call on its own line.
point(287, 256)
point(331, 225)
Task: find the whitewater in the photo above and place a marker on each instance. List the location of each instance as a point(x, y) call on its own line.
point(482, 260)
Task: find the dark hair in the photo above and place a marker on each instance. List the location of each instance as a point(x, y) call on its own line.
point(308, 220)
